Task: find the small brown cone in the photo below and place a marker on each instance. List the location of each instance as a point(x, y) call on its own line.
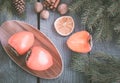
point(19, 6)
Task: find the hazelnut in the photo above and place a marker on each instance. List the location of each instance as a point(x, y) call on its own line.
point(44, 14)
point(38, 7)
point(63, 8)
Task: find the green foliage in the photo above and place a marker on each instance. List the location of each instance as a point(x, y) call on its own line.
point(7, 11)
point(101, 67)
point(101, 17)
point(80, 63)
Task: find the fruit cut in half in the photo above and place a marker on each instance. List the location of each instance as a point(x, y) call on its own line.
point(21, 42)
point(39, 59)
point(64, 25)
point(80, 42)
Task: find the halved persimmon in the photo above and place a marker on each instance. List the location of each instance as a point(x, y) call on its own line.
point(80, 42)
point(39, 59)
point(21, 42)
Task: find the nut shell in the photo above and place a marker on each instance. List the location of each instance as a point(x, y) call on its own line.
point(44, 14)
point(38, 7)
point(63, 8)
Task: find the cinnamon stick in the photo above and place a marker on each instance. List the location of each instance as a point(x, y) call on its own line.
point(51, 4)
point(56, 3)
point(48, 1)
point(53, 1)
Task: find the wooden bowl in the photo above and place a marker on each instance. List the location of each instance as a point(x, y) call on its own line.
point(8, 28)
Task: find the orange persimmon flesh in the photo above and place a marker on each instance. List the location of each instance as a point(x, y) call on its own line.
point(80, 42)
point(39, 59)
point(21, 41)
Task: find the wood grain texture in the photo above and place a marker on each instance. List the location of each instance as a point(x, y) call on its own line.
point(11, 27)
point(9, 71)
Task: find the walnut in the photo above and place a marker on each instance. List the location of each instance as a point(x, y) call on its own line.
point(44, 14)
point(38, 7)
point(63, 8)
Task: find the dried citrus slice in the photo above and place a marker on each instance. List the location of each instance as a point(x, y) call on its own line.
point(64, 25)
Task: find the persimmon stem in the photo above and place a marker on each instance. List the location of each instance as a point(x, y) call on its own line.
point(13, 50)
point(27, 55)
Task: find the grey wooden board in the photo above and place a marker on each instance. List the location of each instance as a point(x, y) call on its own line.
point(47, 27)
point(9, 71)
point(107, 47)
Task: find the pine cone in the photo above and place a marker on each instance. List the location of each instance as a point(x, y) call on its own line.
point(19, 6)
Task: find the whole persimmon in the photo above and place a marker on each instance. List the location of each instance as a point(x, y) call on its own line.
point(39, 59)
point(80, 42)
point(21, 41)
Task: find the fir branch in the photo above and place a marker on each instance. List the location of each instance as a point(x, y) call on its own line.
point(95, 14)
point(118, 39)
point(2, 2)
point(77, 5)
point(105, 64)
point(104, 68)
point(93, 20)
point(103, 32)
point(79, 62)
point(85, 17)
point(113, 9)
point(117, 27)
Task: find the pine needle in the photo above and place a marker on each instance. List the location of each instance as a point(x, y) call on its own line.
point(117, 27)
point(114, 8)
point(103, 68)
point(85, 17)
point(80, 62)
point(99, 16)
point(76, 5)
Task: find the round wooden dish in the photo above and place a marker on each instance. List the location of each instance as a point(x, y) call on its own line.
point(8, 28)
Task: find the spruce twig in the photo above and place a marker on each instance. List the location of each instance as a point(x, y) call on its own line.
point(104, 68)
point(77, 59)
point(101, 17)
point(117, 27)
point(77, 5)
point(113, 9)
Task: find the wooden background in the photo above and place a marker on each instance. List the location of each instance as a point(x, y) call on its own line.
point(11, 73)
